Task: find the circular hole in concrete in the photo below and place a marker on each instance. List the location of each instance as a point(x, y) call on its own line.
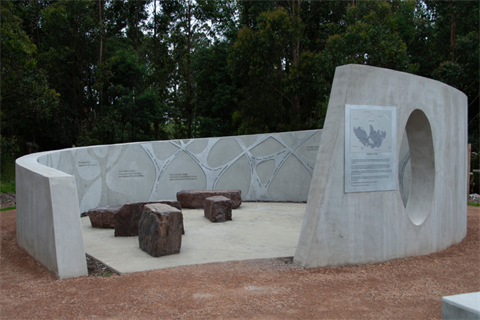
point(422, 161)
point(404, 170)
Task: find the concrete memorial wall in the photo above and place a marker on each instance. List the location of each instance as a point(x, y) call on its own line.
point(389, 180)
point(384, 189)
point(269, 167)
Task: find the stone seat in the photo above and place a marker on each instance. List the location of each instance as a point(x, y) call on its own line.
point(103, 217)
point(160, 230)
point(195, 199)
point(218, 209)
point(127, 217)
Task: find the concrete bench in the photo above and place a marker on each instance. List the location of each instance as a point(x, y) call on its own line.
point(218, 209)
point(160, 230)
point(461, 306)
point(127, 217)
point(195, 199)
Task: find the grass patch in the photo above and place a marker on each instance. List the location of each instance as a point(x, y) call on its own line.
point(473, 204)
point(9, 208)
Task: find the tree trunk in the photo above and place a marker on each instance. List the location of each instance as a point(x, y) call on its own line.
point(295, 58)
point(100, 19)
point(189, 106)
point(100, 54)
point(154, 43)
point(453, 27)
point(135, 88)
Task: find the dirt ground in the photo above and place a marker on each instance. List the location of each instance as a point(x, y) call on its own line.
point(409, 288)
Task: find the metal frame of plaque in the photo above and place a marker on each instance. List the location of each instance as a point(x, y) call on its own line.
point(370, 148)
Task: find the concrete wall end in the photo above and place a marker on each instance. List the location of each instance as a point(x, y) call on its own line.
point(48, 219)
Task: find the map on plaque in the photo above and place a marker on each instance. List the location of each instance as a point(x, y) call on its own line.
point(370, 148)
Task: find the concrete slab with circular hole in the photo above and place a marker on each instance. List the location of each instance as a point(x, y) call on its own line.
point(426, 212)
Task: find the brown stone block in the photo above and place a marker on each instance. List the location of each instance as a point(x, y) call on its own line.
point(195, 199)
point(127, 217)
point(218, 209)
point(103, 217)
point(160, 230)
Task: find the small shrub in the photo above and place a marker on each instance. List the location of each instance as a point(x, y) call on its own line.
point(7, 187)
point(7, 173)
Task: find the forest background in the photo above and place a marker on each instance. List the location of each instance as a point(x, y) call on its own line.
point(77, 73)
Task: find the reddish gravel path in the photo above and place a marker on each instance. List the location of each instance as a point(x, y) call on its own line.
point(260, 289)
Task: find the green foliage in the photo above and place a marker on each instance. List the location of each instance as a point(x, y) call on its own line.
point(285, 77)
point(9, 146)
point(215, 92)
point(132, 110)
point(26, 99)
point(7, 174)
point(8, 150)
point(371, 38)
point(110, 71)
point(303, 83)
point(7, 187)
point(264, 64)
point(448, 36)
point(8, 208)
point(69, 42)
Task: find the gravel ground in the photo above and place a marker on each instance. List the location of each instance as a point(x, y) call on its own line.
point(474, 197)
point(409, 288)
point(7, 200)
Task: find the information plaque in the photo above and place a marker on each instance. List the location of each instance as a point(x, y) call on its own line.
point(370, 148)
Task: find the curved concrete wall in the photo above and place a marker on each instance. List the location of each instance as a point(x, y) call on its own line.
point(54, 187)
point(259, 165)
point(427, 210)
point(48, 217)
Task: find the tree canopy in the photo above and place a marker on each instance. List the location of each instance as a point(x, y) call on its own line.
point(109, 71)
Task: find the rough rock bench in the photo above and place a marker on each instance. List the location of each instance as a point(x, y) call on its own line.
point(218, 209)
point(160, 230)
point(195, 199)
point(103, 217)
point(127, 217)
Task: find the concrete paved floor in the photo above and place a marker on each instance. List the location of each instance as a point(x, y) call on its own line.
point(259, 230)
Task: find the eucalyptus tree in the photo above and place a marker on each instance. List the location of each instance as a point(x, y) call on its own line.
point(70, 54)
point(454, 27)
point(178, 29)
point(27, 100)
point(106, 71)
point(371, 37)
point(215, 91)
point(273, 62)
